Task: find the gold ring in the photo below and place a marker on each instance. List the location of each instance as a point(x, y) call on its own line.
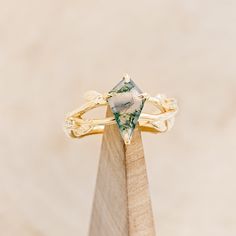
point(126, 101)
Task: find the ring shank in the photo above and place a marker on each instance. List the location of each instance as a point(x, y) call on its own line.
point(160, 121)
point(99, 129)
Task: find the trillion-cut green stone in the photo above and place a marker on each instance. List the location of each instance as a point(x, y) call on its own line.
point(126, 105)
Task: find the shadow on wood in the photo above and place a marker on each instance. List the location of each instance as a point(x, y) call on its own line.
point(121, 204)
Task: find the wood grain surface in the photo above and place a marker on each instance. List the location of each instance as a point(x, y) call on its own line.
point(122, 204)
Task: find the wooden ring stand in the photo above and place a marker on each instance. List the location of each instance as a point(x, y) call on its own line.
point(122, 205)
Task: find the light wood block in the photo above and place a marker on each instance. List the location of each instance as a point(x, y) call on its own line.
point(122, 205)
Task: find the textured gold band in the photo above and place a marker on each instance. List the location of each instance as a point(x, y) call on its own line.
point(161, 120)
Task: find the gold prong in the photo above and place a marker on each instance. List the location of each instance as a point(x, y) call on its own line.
point(107, 96)
point(127, 142)
point(127, 139)
point(126, 78)
point(144, 95)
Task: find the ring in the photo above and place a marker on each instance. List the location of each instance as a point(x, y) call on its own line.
point(126, 101)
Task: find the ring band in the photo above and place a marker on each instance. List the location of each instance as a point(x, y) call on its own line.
point(126, 102)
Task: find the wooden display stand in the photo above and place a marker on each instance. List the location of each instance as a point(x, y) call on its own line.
point(122, 205)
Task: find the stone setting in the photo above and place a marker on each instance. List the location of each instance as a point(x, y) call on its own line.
point(126, 104)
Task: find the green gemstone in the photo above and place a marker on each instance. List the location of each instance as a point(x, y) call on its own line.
point(126, 105)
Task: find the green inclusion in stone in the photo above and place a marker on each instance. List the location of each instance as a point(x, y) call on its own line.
point(126, 106)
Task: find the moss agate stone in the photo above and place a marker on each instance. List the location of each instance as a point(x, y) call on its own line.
point(126, 105)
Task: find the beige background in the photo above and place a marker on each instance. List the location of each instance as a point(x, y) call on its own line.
point(52, 51)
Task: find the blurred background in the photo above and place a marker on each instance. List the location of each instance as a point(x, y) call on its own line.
point(51, 52)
